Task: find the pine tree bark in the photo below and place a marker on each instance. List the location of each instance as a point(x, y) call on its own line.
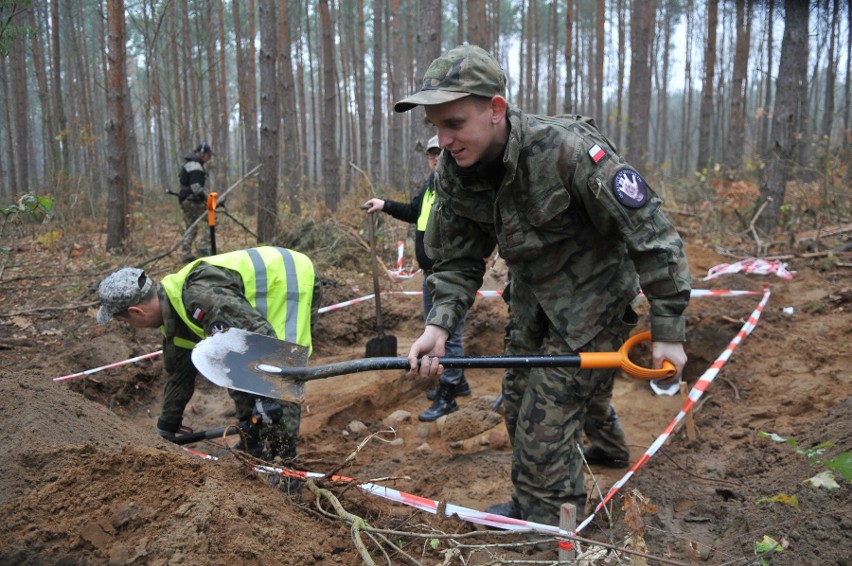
point(20, 103)
point(736, 128)
point(9, 186)
point(223, 164)
point(567, 101)
point(290, 166)
point(267, 210)
point(641, 36)
point(791, 90)
point(830, 78)
point(56, 92)
point(428, 49)
point(705, 124)
point(328, 133)
point(376, 122)
point(48, 126)
point(620, 72)
point(117, 174)
point(600, 21)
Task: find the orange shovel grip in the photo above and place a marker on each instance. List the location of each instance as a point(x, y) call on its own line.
point(212, 200)
point(621, 359)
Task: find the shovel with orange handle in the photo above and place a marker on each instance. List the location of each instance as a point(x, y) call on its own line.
point(258, 364)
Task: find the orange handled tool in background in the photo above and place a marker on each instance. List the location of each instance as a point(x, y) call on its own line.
point(212, 200)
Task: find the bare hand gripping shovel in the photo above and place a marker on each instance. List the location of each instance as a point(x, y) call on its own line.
point(258, 364)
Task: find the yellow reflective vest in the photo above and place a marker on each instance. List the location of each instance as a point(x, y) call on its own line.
point(278, 283)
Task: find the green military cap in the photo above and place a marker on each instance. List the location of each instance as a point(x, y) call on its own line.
point(462, 71)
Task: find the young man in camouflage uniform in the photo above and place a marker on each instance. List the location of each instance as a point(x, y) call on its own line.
point(193, 198)
point(575, 225)
point(268, 290)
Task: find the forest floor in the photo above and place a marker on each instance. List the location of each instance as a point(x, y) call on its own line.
point(85, 479)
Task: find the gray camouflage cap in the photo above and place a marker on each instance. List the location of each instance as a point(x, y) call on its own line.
point(460, 72)
point(122, 290)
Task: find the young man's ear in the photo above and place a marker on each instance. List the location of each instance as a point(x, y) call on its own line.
point(498, 108)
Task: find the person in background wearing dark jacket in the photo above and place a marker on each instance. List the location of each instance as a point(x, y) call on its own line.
point(452, 383)
point(193, 198)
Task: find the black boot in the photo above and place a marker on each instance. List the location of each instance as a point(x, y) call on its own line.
point(444, 404)
point(507, 509)
point(597, 457)
point(462, 390)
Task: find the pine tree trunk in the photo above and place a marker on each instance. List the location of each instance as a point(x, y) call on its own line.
point(376, 122)
point(736, 128)
point(330, 159)
point(790, 104)
point(21, 114)
point(56, 89)
point(267, 210)
point(117, 174)
point(641, 36)
point(10, 185)
point(223, 164)
point(705, 125)
point(290, 165)
point(48, 126)
point(567, 101)
point(428, 49)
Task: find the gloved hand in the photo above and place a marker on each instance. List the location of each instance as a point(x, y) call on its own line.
point(168, 430)
point(168, 435)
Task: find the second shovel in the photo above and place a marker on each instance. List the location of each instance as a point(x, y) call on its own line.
point(382, 345)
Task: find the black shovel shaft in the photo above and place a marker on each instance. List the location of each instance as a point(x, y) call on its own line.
point(378, 364)
point(204, 435)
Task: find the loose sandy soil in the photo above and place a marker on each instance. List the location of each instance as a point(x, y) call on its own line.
point(84, 479)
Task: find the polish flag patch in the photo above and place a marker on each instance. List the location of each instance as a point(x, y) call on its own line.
point(198, 315)
point(597, 153)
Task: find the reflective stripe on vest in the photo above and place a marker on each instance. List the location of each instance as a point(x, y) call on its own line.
point(425, 209)
point(278, 283)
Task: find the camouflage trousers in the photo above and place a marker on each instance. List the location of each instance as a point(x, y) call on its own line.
point(280, 438)
point(548, 409)
point(191, 211)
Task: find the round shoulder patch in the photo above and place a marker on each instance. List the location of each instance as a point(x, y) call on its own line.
point(630, 188)
point(216, 327)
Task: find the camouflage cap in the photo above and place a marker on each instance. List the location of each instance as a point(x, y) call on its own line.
point(462, 71)
point(122, 290)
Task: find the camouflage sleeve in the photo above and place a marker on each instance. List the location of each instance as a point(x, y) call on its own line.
point(217, 296)
point(458, 246)
point(620, 202)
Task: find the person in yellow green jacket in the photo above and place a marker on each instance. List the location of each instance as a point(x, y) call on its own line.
point(268, 290)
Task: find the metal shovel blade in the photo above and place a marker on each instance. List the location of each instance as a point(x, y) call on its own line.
point(231, 359)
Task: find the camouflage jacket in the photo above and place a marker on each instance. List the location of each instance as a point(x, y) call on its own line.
point(572, 220)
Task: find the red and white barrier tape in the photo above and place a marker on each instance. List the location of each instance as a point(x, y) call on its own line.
point(506, 523)
point(399, 272)
point(415, 501)
point(752, 265)
point(115, 365)
point(698, 389)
